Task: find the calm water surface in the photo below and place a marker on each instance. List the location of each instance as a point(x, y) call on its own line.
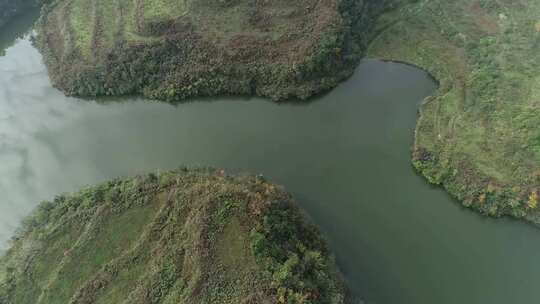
point(344, 156)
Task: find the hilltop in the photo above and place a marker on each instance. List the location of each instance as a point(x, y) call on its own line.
point(188, 236)
point(172, 50)
point(479, 136)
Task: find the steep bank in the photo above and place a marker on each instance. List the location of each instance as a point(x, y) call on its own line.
point(189, 236)
point(479, 135)
point(172, 50)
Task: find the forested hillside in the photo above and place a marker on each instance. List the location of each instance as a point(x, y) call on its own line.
point(172, 50)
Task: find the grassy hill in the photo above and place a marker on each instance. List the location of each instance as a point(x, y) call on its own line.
point(189, 236)
point(479, 136)
point(172, 50)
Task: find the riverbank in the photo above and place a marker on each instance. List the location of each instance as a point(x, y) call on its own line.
point(172, 50)
point(54, 144)
point(478, 136)
point(192, 235)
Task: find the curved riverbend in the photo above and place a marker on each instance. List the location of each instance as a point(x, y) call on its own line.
point(345, 157)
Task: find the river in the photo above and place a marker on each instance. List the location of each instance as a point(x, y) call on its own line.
point(345, 157)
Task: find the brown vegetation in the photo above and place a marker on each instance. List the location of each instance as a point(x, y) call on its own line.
point(172, 50)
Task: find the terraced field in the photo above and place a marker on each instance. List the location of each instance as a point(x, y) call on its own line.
point(172, 50)
point(190, 236)
point(480, 135)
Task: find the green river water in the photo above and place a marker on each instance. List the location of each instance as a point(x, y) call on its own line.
point(344, 156)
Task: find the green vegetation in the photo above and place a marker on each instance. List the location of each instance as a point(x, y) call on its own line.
point(479, 136)
point(188, 236)
point(172, 50)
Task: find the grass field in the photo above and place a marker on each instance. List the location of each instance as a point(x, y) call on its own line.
point(189, 236)
point(479, 136)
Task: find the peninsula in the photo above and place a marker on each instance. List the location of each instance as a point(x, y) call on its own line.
point(187, 236)
point(172, 50)
point(479, 136)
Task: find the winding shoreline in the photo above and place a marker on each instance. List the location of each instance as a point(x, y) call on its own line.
point(439, 152)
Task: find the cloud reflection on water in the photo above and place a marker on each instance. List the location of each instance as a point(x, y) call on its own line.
point(29, 108)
